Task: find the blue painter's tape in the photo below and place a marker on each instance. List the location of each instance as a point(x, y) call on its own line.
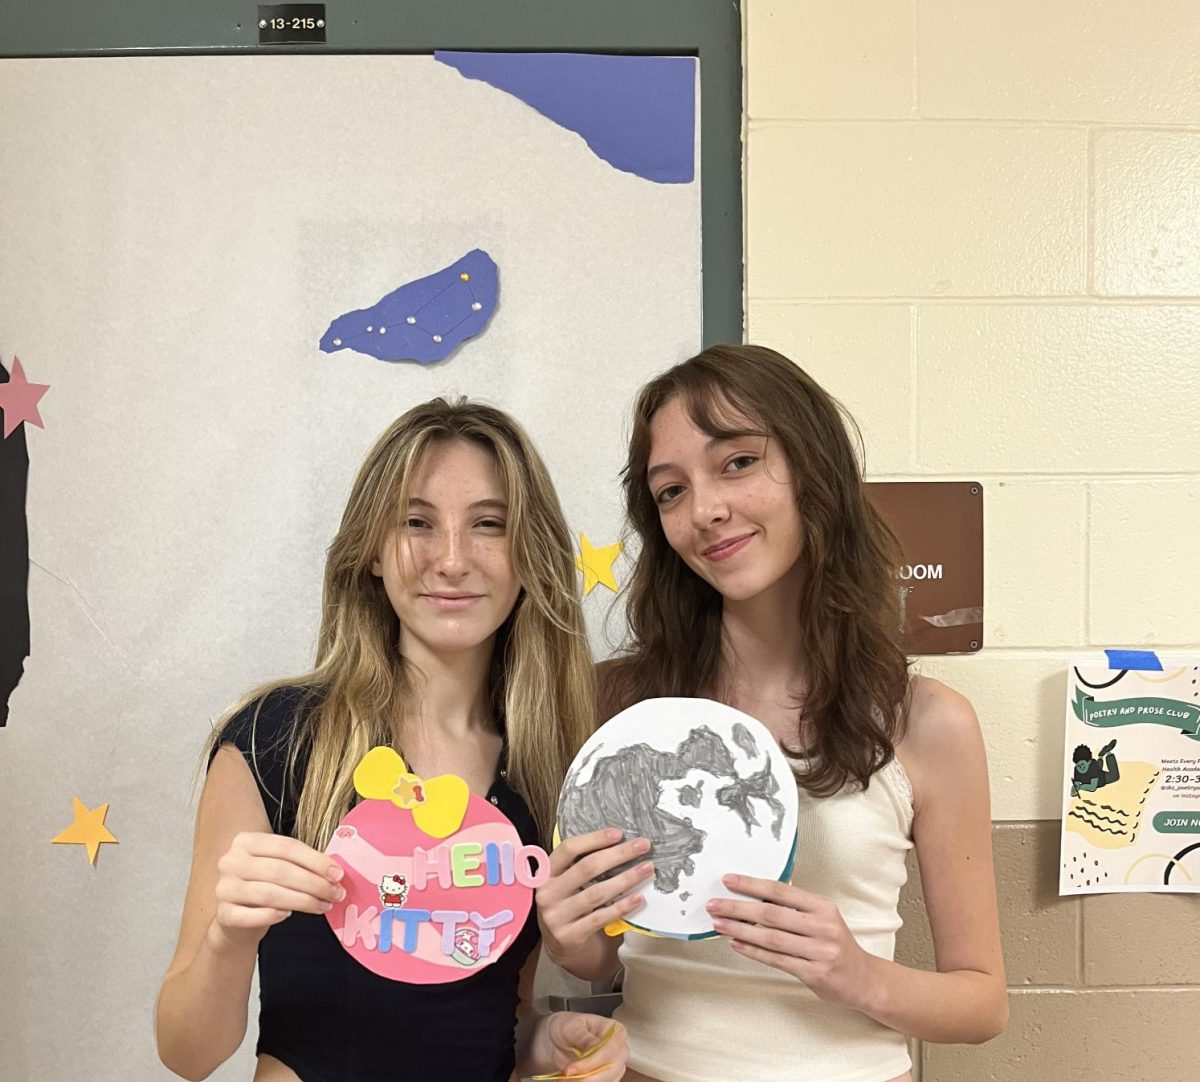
point(1145, 660)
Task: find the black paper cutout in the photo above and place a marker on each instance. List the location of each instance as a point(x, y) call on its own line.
point(14, 561)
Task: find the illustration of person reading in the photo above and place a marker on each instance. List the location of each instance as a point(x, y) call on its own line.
point(1092, 773)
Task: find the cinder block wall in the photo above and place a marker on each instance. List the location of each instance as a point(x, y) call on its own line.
point(978, 224)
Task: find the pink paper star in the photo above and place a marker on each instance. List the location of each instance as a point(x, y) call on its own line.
point(19, 399)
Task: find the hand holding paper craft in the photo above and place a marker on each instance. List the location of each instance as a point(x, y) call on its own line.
point(707, 785)
point(438, 881)
point(583, 896)
point(796, 932)
point(585, 1046)
point(265, 878)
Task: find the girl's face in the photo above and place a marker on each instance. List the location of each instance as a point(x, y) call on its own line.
point(728, 507)
point(447, 570)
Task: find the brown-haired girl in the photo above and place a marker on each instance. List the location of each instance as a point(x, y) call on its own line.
point(451, 630)
point(765, 580)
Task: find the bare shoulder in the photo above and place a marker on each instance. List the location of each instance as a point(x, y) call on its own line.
point(941, 733)
point(937, 711)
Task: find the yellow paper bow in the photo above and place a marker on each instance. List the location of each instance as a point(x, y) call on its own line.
point(438, 805)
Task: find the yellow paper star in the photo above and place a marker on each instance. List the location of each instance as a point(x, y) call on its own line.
point(408, 791)
point(597, 565)
point(88, 828)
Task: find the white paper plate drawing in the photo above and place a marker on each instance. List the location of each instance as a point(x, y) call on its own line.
point(710, 788)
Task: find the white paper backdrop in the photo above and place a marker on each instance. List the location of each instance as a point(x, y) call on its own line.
point(175, 236)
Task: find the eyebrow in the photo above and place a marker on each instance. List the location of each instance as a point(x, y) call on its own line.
point(663, 467)
point(478, 505)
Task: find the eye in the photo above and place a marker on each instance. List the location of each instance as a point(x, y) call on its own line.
point(740, 463)
point(494, 524)
point(415, 522)
point(666, 494)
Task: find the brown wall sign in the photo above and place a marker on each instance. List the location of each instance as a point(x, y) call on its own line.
point(939, 525)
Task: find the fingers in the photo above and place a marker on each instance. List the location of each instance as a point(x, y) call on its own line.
point(238, 918)
point(581, 859)
point(772, 890)
point(571, 920)
point(605, 1060)
point(761, 913)
point(774, 940)
point(571, 849)
point(290, 849)
point(268, 895)
point(592, 1048)
point(284, 873)
point(589, 867)
point(784, 962)
point(264, 877)
point(588, 1046)
point(606, 892)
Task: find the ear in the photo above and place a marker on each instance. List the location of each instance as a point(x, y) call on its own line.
point(377, 567)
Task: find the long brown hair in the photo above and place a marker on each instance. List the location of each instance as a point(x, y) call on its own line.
point(850, 615)
point(540, 685)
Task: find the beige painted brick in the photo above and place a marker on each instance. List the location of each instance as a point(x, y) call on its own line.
point(830, 59)
point(905, 210)
point(1144, 587)
point(1039, 930)
point(1058, 388)
point(861, 354)
point(1021, 703)
point(1146, 210)
point(1141, 939)
point(1097, 60)
point(1033, 563)
point(1081, 1036)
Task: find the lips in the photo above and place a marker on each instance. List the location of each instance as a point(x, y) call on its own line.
point(731, 546)
point(451, 602)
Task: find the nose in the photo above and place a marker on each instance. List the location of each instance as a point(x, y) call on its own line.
point(451, 561)
point(708, 505)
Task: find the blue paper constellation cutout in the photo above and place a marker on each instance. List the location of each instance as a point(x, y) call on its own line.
point(638, 113)
point(425, 320)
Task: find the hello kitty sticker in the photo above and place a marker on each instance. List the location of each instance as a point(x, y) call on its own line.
point(438, 882)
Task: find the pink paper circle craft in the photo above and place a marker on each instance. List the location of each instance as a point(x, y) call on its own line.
point(379, 921)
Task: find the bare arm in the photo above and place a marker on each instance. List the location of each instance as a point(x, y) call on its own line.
point(965, 1000)
point(805, 935)
point(243, 880)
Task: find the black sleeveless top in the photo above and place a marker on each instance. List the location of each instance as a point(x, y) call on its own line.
point(332, 1020)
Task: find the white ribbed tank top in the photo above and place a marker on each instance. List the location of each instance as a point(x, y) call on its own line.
point(700, 1012)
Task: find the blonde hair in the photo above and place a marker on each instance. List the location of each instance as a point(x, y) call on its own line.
point(540, 686)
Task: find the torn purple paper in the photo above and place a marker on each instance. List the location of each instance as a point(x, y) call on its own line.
point(424, 320)
point(638, 113)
